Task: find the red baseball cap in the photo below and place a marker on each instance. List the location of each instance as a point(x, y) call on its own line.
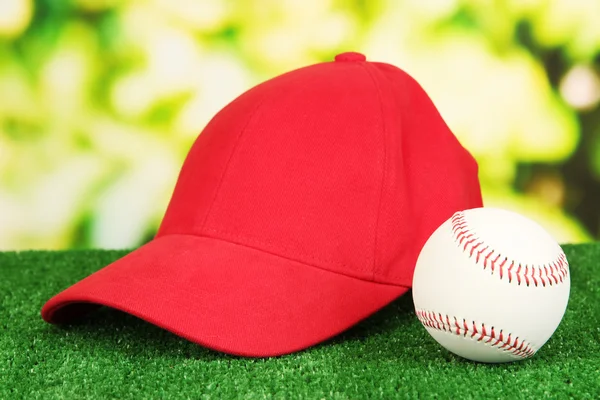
point(299, 211)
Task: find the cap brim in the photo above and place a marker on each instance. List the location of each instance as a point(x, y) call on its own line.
point(226, 297)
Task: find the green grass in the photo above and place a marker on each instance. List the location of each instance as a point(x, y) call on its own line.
point(113, 355)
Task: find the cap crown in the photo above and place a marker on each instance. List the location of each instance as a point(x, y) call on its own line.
point(345, 166)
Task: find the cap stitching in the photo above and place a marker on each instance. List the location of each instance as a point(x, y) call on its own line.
point(383, 175)
point(226, 167)
point(235, 149)
point(260, 242)
point(268, 244)
point(231, 156)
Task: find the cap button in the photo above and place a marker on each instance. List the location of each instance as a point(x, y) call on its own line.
point(350, 57)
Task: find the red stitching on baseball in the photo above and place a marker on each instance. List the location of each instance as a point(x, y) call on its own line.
point(551, 274)
point(485, 260)
point(473, 249)
point(493, 338)
point(480, 252)
point(458, 226)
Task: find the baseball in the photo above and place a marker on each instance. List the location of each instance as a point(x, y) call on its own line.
point(491, 285)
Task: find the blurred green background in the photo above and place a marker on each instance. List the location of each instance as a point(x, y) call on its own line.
point(101, 99)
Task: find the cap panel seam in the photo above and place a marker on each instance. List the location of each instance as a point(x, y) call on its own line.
point(369, 271)
point(231, 156)
point(267, 251)
point(383, 175)
point(236, 146)
point(226, 167)
point(265, 245)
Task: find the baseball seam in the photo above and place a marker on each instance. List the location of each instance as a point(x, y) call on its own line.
point(476, 331)
point(552, 273)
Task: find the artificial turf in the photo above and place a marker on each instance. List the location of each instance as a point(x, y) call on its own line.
point(110, 354)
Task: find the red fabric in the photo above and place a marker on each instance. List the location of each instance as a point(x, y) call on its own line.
point(237, 299)
point(299, 210)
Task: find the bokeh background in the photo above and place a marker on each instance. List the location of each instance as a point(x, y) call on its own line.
point(101, 99)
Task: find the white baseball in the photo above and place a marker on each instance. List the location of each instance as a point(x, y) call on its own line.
point(491, 285)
